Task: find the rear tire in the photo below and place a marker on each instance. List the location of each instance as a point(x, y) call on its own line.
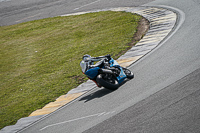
point(128, 73)
point(111, 84)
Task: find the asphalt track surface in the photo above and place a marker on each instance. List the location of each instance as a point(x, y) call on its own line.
point(18, 11)
point(164, 96)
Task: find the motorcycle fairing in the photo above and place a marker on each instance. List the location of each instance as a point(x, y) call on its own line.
point(92, 73)
point(121, 76)
point(113, 63)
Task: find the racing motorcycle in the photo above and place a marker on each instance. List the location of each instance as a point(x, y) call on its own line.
point(106, 72)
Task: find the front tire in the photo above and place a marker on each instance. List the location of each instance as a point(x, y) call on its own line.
point(108, 83)
point(128, 73)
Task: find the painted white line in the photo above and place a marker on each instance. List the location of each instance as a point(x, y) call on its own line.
point(87, 4)
point(99, 114)
point(71, 120)
point(28, 17)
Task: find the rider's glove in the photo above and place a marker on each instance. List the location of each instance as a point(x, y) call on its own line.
point(108, 56)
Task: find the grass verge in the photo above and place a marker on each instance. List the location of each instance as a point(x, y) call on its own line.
point(40, 59)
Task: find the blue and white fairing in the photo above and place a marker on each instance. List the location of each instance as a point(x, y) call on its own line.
point(92, 73)
point(122, 75)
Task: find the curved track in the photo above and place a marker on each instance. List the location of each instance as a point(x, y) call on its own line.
point(163, 96)
point(18, 11)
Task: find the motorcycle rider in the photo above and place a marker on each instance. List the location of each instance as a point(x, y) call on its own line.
point(88, 62)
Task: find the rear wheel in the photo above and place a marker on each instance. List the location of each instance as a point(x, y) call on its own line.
point(128, 73)
point(107, 81)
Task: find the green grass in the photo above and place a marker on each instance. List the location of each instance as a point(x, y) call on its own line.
point(40, 59)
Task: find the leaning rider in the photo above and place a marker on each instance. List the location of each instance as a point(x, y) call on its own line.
point(88, 62)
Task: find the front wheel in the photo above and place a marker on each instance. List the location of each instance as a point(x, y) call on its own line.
point(107, 81)
point(128, 73)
